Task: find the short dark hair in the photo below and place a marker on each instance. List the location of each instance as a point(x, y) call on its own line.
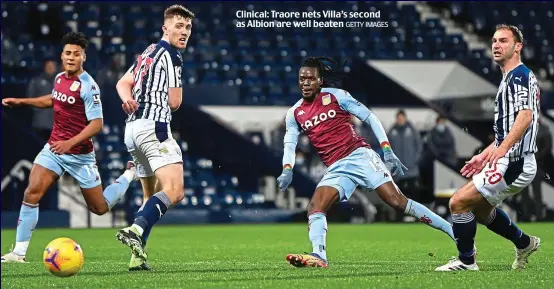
point(178, 10)
point(401, 112)
point(332, 77)
point(75, 38)
point(518, 36)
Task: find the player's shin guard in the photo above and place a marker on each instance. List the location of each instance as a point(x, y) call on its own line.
point(153, 210)
point(501, 224)
point(28, 218)
point(115, 191)
point(317, 231)
point(465, 228)
point(426, 216)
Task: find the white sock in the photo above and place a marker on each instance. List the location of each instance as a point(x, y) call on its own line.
point(21, 248)
point(318, 232)
point(426, 216)
point(139, 229)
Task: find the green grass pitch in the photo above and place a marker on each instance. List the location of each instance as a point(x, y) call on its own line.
point(253, 256)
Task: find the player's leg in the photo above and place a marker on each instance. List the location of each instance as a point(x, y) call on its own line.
point(391, 194)
point(148, 182)
point(337, 184)
point(171, 179)
point(150, 186)
point(377, 177)
point(154, 141)
point(461, 205)
point(83, 168)
point(322, 200)
point(44, 173)
point(517, 176)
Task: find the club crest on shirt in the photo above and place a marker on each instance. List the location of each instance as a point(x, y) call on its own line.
point(74, 86)
point(326, 99)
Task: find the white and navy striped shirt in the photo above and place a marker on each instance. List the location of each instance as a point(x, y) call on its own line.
point(519, 90)
point(156, 70)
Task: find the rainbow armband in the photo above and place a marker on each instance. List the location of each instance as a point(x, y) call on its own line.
point(287, 167)
point(386, 146)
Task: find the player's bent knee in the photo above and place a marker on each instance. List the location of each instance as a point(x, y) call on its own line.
point(458, 204)
point(179, 195)
point(175, 193)
point(32, 195)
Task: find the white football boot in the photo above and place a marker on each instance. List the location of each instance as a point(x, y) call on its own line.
point(11, 257)
point(523, 254)
point(456, 265)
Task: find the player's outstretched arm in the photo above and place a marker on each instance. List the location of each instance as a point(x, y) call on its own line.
point(124, 89)
point(44, 101)
point(357, 109)
point(354, 107)
point(477, 162)
point(289, 155)
point(394, 164)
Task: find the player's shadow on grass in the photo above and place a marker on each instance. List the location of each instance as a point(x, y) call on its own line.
point(483, 267)
point(495, 267)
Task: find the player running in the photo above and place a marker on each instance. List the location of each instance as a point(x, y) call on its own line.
point(150, 90)
point(507, 165)
point(324, 114)
point(77, 118)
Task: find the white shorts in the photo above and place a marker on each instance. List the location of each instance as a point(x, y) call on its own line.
point(151, 145)
point(498, 182)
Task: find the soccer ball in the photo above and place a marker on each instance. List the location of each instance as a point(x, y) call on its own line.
point(63, 257)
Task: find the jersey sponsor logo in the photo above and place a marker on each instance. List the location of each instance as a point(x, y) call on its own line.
point(301, 112)
point(63, 97)
point(317, 119)
point(326, 99)
point(74, 86)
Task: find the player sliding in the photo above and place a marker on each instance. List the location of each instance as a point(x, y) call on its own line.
point(150, 91)
point(324, 114)
point(77, 118)
point(507, 165)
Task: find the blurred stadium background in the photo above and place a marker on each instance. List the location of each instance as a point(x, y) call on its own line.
point(432, 64)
